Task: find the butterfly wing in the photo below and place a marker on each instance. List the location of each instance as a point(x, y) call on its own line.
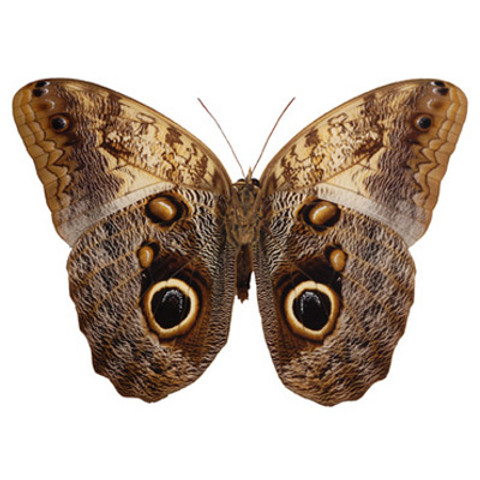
point(385, 152)
point(96, 151)
point(141, 202)
point(342, 201)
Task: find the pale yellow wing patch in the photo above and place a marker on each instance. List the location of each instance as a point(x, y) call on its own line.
point(97, 151)
point(383, 153)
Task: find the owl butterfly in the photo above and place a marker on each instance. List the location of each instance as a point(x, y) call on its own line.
point(162, 240)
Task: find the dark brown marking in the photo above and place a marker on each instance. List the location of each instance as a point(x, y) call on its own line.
point(311, 138)
point(173, 136)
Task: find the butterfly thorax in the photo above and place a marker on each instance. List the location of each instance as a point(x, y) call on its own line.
point(242, 216)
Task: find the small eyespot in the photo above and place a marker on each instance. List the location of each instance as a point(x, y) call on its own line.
point(164, 210)
point(60, 123)
point(320, 214)
point(441, 91)
point(146, 255)
point(438, 83)
point(423, 122)
point(42, 83)
point(38, 92)
point(337, 259)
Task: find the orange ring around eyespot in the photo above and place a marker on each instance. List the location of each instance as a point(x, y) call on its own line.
point(298, 327)
point(186, 323)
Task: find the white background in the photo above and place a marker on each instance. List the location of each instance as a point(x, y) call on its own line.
point(59, 420)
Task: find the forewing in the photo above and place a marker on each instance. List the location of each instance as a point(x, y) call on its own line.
point(383, 153)
point(97, 151)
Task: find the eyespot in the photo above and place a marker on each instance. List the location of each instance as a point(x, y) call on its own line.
point(311, 310)
point(337, 259)
point(423, 122)
point(146, 255)
point(164, 210)
point(440, 87)
point(320, 214)
point(38, 92)
point(60, 123)
point(171, 307)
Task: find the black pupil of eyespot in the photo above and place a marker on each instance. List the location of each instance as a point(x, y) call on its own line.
point(424, 122)
point(59, 123)
point(312, 309)
point(170, 306)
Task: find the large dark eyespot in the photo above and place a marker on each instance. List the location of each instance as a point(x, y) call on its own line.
point(171, 307)
point(60, 123)
point(311, 310)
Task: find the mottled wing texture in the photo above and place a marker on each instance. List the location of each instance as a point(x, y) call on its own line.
point(114, 269)
point(373, 284)
point(383, 153)
point(96, 151)
point(140, 201)
point(342, 202)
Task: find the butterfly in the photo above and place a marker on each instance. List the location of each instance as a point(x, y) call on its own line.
point(162, 240)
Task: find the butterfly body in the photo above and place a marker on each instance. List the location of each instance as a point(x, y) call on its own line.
point(162, 240)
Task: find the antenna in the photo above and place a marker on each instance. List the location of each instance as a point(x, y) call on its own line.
point(271, 133)
point(224, 136)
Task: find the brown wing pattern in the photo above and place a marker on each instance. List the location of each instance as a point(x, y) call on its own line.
point(334, 297)
point(154, 300)
point(97, 151)
point(383, 153)
point(140, 200)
